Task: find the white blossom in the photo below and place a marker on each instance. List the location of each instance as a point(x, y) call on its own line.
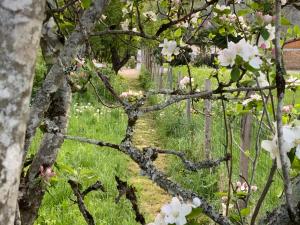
point(125, 25)
point(151, 15)
point(185, 81)
point(268, 42)
point(245, 50)
point(262, 80)
point(176, 211)
point(290, 138)
point(283, 2)
point(169, 48)
point(222, 7)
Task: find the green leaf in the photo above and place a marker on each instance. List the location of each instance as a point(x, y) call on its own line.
point(284, 21)
point(177, 33)
point(265, 34)
point(245, 211)
point(254, 5)
point(297, 30)
point(235, 73)
point(222, 31)
point(243, 12)
point(195, 213)
point(86, 3)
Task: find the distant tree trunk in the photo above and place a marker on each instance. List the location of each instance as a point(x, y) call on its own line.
point(20, 30)
point(117, 62)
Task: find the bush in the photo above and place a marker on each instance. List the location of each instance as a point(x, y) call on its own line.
point(145, 79)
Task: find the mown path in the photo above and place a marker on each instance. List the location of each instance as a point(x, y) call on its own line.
point(151, 196)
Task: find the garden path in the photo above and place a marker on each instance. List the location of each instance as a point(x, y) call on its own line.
point(151, 196)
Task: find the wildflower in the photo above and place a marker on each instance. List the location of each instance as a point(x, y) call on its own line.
point(283, 2)
point(97, 64)
point(254, 188)
point(291, 139)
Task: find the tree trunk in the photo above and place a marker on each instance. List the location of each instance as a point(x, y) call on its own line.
point(20, 30)
point(32, 188)
point(57, 74)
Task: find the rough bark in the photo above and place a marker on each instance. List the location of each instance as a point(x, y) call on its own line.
point(280, 215)
point(58, 72)
point(20, 30)
point(32, 189)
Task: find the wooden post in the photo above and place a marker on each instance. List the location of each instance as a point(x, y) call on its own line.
point(246, 129)
point(160, 84)
point(208, 122)
point(188, 110)
point(178, 79)
point(170, 78)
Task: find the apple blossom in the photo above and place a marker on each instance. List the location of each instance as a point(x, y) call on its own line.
point(287, 109)
point(268, 42)
point(125, 25)
point(151, 15)
point(243, 49)
point(262, 80)
point(46, 172)
point(252, 98)
point(176, 211)
point(283, 2)
point(290, 137)
point(185, 81)
point(222, 7)
point(169, 48)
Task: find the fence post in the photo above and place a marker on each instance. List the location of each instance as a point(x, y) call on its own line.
point(170, 78)
point(178, 79)
point(208, 121)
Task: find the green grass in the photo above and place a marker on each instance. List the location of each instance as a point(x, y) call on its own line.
point(87, 164)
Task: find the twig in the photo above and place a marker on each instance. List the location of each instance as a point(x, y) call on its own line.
point(264, 193)
point(86, 214)
point(129, 192)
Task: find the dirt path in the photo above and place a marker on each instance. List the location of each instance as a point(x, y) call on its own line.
point(151, 196)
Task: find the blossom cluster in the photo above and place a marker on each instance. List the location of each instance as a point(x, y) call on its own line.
point(252, 98)
point(243, 187)
point(175, 212)
point(185, 81)
point(169, 48)
point(245, 50)
point(291, 139)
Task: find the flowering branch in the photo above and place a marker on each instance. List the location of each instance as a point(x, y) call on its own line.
point(280, 83)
